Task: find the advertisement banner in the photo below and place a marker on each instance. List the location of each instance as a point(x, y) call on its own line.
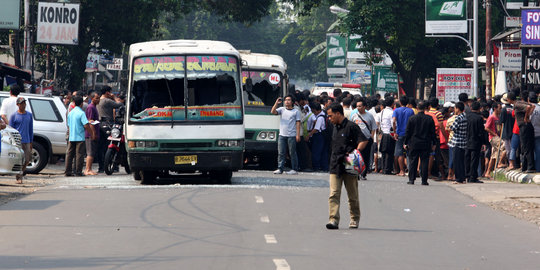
point(336, 47)
point(530, 29)
point(517, 4)
point(116, 65)
point(10, 14)
point(453, 81)
point(58, 23)
point(444, 16)
point(510, 60)
point(532, 70)
point(353, 47)
point(385, 80)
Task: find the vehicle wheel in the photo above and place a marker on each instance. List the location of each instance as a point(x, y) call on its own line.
point(137, 175)
point(148, 177)
point(38, 160)
point(222, 177)
point(108, 162)
point(127, 169)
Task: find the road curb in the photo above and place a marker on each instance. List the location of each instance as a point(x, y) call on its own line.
point(517, 176)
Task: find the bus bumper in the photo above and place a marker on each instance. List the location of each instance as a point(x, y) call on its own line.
point(261, 148)
point(206, 161)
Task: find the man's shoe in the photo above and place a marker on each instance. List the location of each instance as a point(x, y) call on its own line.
point(410, 183)
point(476, 181)
point(332, 225)
point(278, 171)
point(292, 172)
point(353, 224)
point(425, 183)
point(363, 177)
point(68, 174)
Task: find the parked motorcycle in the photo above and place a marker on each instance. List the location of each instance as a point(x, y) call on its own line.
point(116, 152)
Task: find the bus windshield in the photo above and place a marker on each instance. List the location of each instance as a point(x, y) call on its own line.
point(169, 88)
point(267, 86)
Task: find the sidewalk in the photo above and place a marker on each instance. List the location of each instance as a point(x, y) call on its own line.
point(517, 176)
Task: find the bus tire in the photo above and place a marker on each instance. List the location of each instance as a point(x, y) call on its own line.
point(222, 177)
point(137, 175)
point(148, 177)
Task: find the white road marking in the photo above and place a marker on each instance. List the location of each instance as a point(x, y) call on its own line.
point(270, 239)
point(281, 264)
point(259, 199)
point(265, 219)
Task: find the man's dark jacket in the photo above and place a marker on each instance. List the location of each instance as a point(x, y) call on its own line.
point(420, 132)
point(476, 134)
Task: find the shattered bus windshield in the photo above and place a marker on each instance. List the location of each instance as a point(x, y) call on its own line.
point(169, 88)
point(266, 87)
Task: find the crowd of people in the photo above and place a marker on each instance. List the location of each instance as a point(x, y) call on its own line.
point(471, 136)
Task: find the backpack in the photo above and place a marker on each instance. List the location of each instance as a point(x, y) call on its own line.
point(327, 131)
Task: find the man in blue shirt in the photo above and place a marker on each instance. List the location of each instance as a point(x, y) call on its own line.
point(22, 121)
point(77, 124)
point(400, 118)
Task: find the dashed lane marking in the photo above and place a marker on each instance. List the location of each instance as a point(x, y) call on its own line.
point(259, 199)
point(265, 219)
point(281, 264)
point(270, 239)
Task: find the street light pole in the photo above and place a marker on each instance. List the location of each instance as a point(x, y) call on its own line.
point(475, 49)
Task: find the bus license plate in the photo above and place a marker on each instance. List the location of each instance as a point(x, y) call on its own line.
point(185, 160)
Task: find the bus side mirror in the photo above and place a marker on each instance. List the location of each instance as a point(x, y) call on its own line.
point(249, 85)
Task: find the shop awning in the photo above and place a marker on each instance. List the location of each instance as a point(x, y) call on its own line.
point(505, 35)
point(13, 71)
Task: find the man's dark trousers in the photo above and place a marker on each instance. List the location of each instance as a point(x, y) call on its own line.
point(366, 155)
point(423, 154)
point(526, 133)
point(472, 158)
point(459, 164)
point(77, 151)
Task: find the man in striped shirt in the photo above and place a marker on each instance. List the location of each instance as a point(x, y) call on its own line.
point(459, 142)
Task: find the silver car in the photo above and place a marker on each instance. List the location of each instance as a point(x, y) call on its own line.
point(11, 155)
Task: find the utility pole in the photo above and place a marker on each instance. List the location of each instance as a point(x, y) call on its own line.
point(524, 54)
point(475, 48)
point(27, 39)
point(488, 49)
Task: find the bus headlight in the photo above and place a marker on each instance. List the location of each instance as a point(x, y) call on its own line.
point(272, 135)
point(266, 136)
point(142, 144)
point(262, 135)
point(229, 143)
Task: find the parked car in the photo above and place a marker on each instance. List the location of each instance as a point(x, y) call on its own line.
point(49, 129)
point(11, 154)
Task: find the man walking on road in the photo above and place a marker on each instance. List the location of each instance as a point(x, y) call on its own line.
point(289, 133)
point(77, 124)
point(420, 140)
point(346, 137)
point(23, 122)
point(459, 142)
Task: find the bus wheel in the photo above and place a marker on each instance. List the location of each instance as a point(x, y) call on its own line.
point(137, 175)
point(222, 177)
point(148, 177)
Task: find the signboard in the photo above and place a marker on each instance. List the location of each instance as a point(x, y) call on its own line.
point(512, 21)
point(532, 71)
point(58, 23)
point(353, 47)
point(530, 29)
point(336, 46)
point(10, 14)
point(510, 60)
point(92, 62)
point(517, 4)
point(385, 80)
point(453, 81)
point(445, 16)
point(360, 76)
point(116, 65)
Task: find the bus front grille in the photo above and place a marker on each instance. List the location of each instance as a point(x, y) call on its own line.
point(186, 145)
point(249, 135)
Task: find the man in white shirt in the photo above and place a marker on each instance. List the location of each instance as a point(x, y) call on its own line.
point(367, 124)
point(9, 105)
point(387, 144)
point(289, 133)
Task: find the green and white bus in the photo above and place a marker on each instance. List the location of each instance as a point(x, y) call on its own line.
point(264, 79)
point(185, 109)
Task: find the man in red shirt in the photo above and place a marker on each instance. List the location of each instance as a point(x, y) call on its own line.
point(492, 125)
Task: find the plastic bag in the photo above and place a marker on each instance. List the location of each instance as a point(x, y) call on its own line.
point(354, 163)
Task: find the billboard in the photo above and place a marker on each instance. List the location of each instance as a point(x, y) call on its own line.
point(453, 81)
point(336, 48)
point(444, 16)
point(517, 4)
point(530, 29)
point(58, 23)
point(385, 80)
point(10, 14)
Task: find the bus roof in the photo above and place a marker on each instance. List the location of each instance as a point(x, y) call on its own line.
point(182, 46)
point(263, 61)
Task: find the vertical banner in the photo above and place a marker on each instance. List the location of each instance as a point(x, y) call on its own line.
point(58, 23)
point(385, 80)
point(10, 14)
point(336, 47)
point(453, 81)
point(444, 16)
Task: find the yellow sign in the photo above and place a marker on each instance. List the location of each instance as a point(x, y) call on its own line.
point(178, 160)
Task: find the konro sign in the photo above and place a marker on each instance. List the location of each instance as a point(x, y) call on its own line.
point(532, 71)
point(530, 29)
point(58, 23)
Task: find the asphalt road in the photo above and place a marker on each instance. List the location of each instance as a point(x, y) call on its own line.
point(261, 221)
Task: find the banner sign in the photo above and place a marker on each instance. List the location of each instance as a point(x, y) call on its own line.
point(336, 46)
point(532, 71)
point(453, 81)
point(530, 29)
point(444, 16)
point(116, 65)
point(512, 21)
point(353, 47)
point(92, 62)
point(385, 80)
point(58, 23)
point(10, 14)
point(510, 60)
point(517, 4)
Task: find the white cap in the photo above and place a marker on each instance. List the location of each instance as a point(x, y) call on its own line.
point(448, 104)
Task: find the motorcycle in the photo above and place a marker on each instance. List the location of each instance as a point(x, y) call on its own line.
point(116, 152)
